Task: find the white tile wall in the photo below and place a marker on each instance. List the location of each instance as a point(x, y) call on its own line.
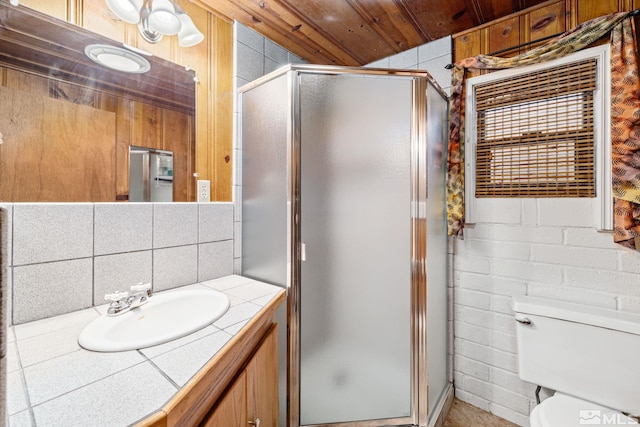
point(215, 260)
point(174, 267)
point(49, 289)
point(431, 57)
point(66, 257)
point(215, 222)
point(175, 224)
point(118, 272)
point(254, 56)
point(123, 227)
point(51, 232)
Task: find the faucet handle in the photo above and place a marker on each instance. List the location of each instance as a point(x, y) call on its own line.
point(140, 287)
point(116, 296)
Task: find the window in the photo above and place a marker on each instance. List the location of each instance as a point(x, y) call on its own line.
point(539, 131)
point(535, 134)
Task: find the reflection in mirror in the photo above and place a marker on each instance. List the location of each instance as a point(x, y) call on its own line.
point(68, 122)
point(150, 175)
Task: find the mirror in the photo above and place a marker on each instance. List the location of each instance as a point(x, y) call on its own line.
point(67, 123)
point(150, 175)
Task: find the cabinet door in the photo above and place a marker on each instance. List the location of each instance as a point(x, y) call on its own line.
point(262, 382)
point(468, 45)
point(590, 9)
point(504, 35)
point(231, 411)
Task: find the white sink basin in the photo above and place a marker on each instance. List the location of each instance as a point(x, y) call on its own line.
point(165, 317)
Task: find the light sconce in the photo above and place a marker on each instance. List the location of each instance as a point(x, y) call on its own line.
point(156, 18)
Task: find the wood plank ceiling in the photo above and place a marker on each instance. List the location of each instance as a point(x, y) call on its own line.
point(357, 32)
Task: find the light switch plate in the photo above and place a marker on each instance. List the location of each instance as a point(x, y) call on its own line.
point(204, 190)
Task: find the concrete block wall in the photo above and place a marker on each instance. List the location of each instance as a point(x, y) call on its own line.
point(540, 247)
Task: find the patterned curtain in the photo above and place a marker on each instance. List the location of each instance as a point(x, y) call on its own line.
point(625, 134)
point(625, 125)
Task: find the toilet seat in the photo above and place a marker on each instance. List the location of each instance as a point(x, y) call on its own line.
point(562, 410)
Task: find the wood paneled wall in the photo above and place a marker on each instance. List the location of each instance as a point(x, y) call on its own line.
point(45, 160)
point(212, 61)
point(68, 143)
point(547, 19)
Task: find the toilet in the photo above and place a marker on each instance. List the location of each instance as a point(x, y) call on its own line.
point(589, 356)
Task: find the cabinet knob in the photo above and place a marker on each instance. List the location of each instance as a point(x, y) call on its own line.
point(255, 423)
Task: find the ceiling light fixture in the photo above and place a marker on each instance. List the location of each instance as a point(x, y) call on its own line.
point(156, 18)
point(117, 58)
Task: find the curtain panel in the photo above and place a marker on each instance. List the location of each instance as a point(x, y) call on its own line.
point(625, 116)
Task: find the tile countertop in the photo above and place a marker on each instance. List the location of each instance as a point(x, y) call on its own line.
point(52, 381)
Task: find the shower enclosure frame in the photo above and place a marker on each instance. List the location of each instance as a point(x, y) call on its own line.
point(419, 395)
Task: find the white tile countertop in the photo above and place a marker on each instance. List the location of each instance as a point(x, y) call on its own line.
point(52, 381)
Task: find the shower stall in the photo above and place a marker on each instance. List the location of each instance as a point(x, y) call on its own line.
point(342, 187)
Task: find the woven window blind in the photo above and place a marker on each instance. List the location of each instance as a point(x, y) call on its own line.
point(535, 133)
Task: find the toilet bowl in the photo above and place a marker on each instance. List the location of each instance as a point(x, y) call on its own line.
point(588, 355)
point(562, 410)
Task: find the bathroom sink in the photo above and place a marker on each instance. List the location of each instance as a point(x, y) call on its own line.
point(165, 317)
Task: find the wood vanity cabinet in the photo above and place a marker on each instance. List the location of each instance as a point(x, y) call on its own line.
point(238, 385)
point(253, 395)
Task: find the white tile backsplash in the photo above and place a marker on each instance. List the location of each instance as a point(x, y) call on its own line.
point(122, 227)
point(216, 222)
point(175, 224)
point(49, 289)
point(45, 232)
point(67, 256)
point(173, 267)
point(119, 272)
point(215, 260)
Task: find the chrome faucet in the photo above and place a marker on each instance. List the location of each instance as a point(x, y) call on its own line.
point(121, 302)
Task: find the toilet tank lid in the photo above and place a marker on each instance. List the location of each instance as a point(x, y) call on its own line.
point(602, 317)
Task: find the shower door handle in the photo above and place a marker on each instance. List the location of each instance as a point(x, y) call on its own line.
point(303, 251)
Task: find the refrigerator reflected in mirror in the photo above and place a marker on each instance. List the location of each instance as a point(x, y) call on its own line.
point(150, 175)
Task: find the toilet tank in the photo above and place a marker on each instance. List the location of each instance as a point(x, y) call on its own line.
point(587, 352)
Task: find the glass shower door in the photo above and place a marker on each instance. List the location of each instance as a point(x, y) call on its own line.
point(355, 286)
